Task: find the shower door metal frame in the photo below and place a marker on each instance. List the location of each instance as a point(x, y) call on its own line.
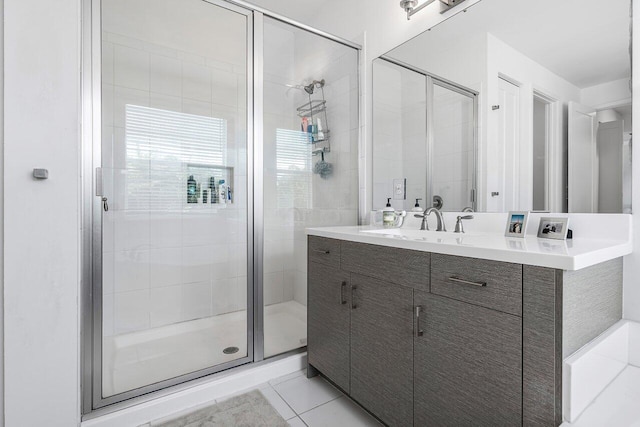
point(92, 218)
point(92, 403)
point(447, 84)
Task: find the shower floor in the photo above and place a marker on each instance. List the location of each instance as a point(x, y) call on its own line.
point(141, 358)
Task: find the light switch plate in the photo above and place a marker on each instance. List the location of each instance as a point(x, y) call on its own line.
point(400, 189)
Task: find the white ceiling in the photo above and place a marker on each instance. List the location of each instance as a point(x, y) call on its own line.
point(299, 10)
point(584, 41)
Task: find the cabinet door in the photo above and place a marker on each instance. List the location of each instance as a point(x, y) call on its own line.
point(328, 317)
point(468, 365)
point(382, 349)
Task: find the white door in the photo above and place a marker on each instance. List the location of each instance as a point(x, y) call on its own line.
point(583, 159)
point(508, 155)
point(609, 148)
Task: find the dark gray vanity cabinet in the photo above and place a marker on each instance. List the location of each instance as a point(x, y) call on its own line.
point(432, 340)
point(329, 320)
point(381, 349)
point(468, 365)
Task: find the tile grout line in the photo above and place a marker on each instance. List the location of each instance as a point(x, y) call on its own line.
point(285, 402)
point(322, 404)
point(317, 406)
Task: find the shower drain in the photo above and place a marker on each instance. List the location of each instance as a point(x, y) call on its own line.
point(230, 350)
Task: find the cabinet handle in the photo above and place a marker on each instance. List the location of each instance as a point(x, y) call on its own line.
point(320, 251)
point(342, 298)
point(353, 297)
point(467, 282)
point(418, 332)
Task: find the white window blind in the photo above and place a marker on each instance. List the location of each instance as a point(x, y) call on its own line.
point(293, 163)
point(160, 144)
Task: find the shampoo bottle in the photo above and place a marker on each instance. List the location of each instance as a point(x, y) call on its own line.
point(320, 131)
point(212, 190)
point(222, 192)
point(192, 197)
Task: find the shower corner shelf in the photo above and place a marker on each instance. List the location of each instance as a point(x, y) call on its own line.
point(312, 107)
point(317, 108)
point(320, 150)
point(314, 141)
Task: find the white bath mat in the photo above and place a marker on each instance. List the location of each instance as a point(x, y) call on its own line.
point(247, 410)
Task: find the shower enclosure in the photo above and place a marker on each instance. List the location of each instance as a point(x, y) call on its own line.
point(201, 160)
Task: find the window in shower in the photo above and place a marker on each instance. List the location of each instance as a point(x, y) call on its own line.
point(174, 271)
point(294, 196)
point(294, 175)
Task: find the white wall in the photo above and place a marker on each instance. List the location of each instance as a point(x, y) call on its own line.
point(529, 76)
point(631, 288)
point(608, 94)
point(42, 218)
point(1, 213)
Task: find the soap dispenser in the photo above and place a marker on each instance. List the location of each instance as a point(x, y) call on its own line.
point(417, 207)
point(388, 214)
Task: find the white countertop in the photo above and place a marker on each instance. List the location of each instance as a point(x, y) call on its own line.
point(573, 254)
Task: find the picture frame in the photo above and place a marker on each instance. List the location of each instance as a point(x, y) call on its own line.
point(553, 228)
point(517, 224)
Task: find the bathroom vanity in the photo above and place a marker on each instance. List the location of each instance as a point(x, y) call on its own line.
point(428, 328)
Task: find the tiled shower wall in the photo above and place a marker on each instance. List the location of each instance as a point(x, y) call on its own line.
point(164, 264)
point(292, 58)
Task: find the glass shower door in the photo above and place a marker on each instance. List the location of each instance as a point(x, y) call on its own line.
point(310, 179)
point(175, 219)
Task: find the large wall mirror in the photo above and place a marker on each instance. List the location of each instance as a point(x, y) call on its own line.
point(512, 105)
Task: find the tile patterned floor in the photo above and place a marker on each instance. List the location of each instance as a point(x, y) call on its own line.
point(312, 402)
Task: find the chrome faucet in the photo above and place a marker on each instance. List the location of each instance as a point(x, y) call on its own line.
point(459, 227)
point(425, 224)
point(467, 209)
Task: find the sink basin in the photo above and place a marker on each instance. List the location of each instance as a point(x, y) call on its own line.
point(417, 234)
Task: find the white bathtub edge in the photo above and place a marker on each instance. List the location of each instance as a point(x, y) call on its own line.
point(588, 371)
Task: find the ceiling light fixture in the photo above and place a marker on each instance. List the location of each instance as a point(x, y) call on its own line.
point(411, 6)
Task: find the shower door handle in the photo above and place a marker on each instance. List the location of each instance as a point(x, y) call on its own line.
point(99, 183)
point(343, 300)
point(100, 189)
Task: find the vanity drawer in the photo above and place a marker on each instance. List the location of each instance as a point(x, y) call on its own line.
point(325, 251)
point(402, 266)
point(491, 284)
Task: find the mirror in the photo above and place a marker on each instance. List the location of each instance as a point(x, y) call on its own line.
point(512, 105)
